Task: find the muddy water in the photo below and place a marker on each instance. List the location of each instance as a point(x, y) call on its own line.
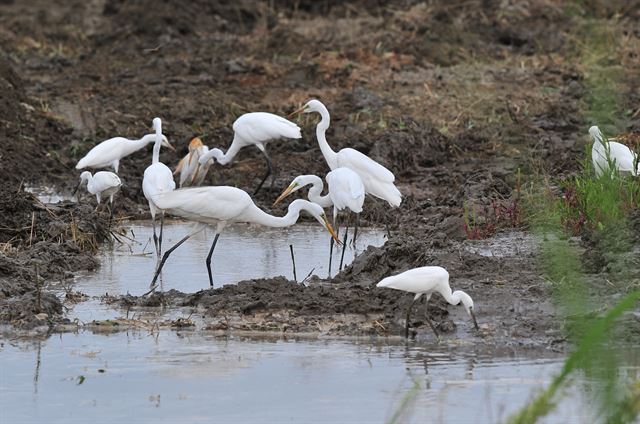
point(243, 252)
point(193, 377)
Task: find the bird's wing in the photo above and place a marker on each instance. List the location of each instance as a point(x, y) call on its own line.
point(180, 164)
point(103, 154)
point(346, 189)
point(623, 156)
point(417, 280)
point(157, 179)
point(364, 166)
point(105, 180)
point(262, 127)
point(204, 203)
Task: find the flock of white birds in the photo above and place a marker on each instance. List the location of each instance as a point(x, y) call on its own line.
point(352, 175)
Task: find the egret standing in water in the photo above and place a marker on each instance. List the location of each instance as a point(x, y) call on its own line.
point(378, 181)
point(605, 154)
point(255, 128)
point(222, 205)
point(109, 152)
point(101, 184)
point(346, 191)
point(192, 173)
point(158, 178)
point(428, 280)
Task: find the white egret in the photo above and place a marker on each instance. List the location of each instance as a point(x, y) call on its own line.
point(101, 184)
point(610, 153)
point(192, 173)
point(109, 152)
point(157, 179)
point(255, 128)
point(378, 181)
point(346, 191)
point(428, 280)
point(223, 205)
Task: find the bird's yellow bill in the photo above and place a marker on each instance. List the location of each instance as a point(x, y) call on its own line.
point(170, 146)
point(285, 193)
point(297, 111)
point(331, 230)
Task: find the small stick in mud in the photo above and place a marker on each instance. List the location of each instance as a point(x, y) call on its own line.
point(293, 261)
point(33, 223)
point(38, 291)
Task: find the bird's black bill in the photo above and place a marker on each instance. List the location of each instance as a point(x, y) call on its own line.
point(76, 189)
point(473, 316)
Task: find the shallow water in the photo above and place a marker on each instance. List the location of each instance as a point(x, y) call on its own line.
point(195, 377)
point(48, 194)
point(243, 252)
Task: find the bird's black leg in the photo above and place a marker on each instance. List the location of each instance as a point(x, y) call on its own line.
point(155, 236)
point(269, 170)
point(208, 261)
point(433, 327)
point(344, 244)
point(355, 231)
point(166, 256)
point(406, 328)
point(160, 236)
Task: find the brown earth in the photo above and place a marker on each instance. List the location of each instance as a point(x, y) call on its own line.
point(453, 98)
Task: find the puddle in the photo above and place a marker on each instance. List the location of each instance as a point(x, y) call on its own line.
point(504, 245)
point(243, 252)
point(193, 377)
point(48, 195)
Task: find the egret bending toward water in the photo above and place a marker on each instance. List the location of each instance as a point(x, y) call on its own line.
point(256, 128)
point(157, 179)
point(606, 153)
point(346, 191)
point(377, 180)
point(222, 205)
point(109, 152)
point(192, 173)
point(428, 280)
point(102, 184)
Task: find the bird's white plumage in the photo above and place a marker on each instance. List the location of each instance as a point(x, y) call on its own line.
point(102, 184)
point(192, 172)
point(157, 179)
point(604, 153)
point(346, 189)
point(427, 279)
point(378, 181)
point(110, 152)
point(262, 127)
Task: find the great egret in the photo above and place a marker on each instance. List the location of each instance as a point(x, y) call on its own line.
point(102, 184)
point(157, 179)
point(255, 128)
point(109, 152)
point(223, 205)
point(610, 153)
point(377, 180)
point(428, 280)
point(192, 173)
point(346, 191)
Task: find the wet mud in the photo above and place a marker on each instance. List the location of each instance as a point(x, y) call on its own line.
point(455, 100)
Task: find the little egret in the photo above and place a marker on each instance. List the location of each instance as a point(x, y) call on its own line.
point(610, 153)
point(221, 205)
point(192, 173)
point(428, 280)
point(377, 180)
point(346, 191)
point(255, 128)
point(109, 152)
point(157, 179)
point(102, 184)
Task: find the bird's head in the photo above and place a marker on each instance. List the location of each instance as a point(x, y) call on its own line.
point(165, 143)
point(467, 302)
point(195, 144)
point(85, 176)
point(157, 124)
point(317, 212)
point(297, 183)
point(309, 107)
point(595, 133)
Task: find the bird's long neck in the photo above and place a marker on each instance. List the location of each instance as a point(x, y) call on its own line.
point(232, 151)
point(259, 216)
point(321, 129)
point(156, 146)
point(135, 145)
point(315, 193)
point(451, 298)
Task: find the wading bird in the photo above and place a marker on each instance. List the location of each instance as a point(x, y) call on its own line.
point(377, 180)
point(109, 152)
point(346, 191)
point(157, 179)
point(192, 173)
point(428, 280)
point(102, 184)
point(605, 154)
point(221, 205)
point(255, 128)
